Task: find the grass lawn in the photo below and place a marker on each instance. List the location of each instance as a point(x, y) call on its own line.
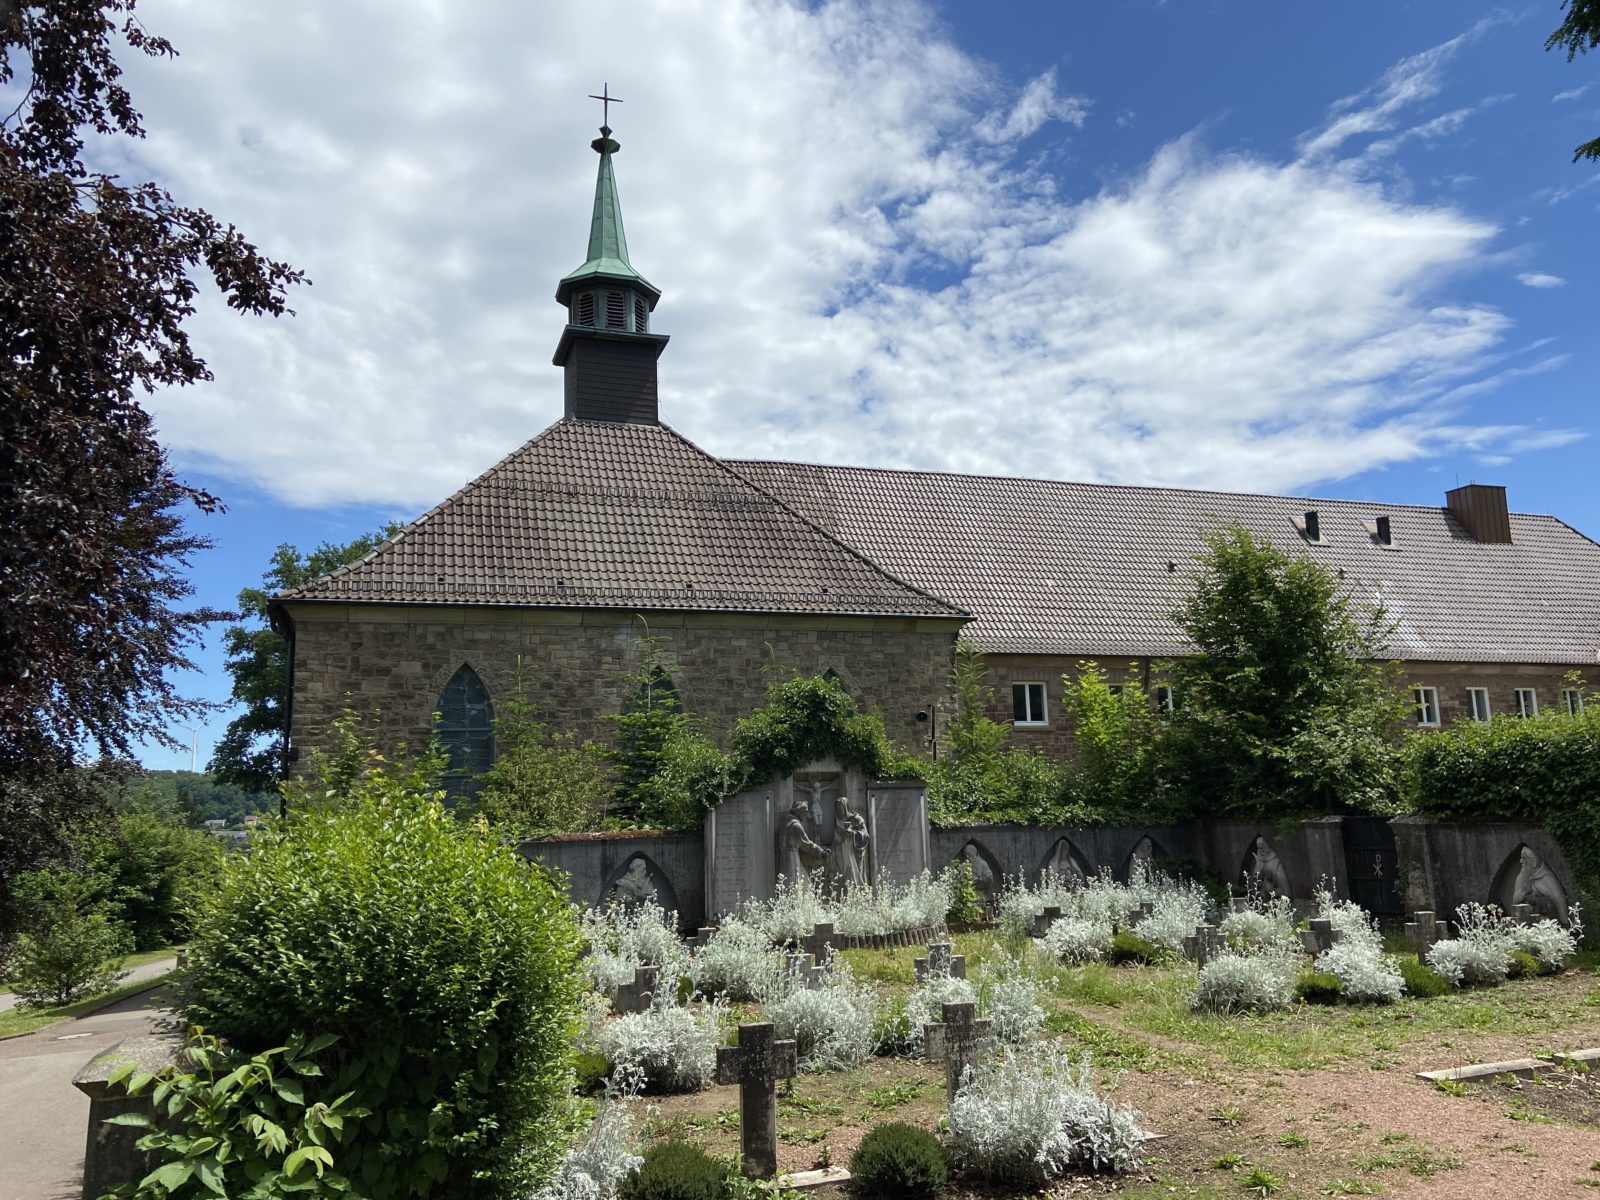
point(26, 1020)
point(1309, 1102)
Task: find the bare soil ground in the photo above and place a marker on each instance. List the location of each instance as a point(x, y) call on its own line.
point(1316, 1101)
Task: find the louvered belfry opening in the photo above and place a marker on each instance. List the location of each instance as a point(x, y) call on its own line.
point(607, 351)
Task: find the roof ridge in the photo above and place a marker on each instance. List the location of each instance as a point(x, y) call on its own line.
point(723, 465)
point(1122, 487)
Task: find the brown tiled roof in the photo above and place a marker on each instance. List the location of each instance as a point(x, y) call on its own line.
point(590, 514)
point(1090, 569)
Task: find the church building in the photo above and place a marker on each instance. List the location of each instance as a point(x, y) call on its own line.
point(548, 572)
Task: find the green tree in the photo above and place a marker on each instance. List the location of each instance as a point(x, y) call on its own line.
point(541, 783)
point(1114, 732)
point(251, 752)
point(98, 277)
point(652, 718)
point(974, 735)
point(1287, 706)
point(1579, 34)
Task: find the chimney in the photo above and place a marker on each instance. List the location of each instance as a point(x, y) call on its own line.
point(1481, 510)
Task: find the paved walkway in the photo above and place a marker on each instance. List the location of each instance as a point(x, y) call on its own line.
point(139, 974)
point(43, 1118)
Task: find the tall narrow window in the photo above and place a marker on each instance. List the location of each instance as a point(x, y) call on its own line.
point(1572, 698)
point(465, 731)
point(1527, 702)
point(1027, 704)
point(1427, 702)
point(1166, 698)
point(1478, 703)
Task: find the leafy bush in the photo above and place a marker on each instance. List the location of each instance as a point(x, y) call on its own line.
point(676, 1171)
point(75, 949)
point(966, 905)
point(1008, 994)
point(806, 719)
point(1129, 948)
point(1179, 909)
point(602, 1159)
point(1480, 953)
point(898, 1162)
point(832, 1025)
point(1317, 987)
point(1116, 736)
point(239, 1125)
point(1075, 940)
point(1263, 925)
point(1421, 980)
point(673, 1049)
point(153, 872)
point(737, 962)
point(623, 938)
point(1523, 965)
point(1031, 1116)
point(1245, 983)
point(442, 959)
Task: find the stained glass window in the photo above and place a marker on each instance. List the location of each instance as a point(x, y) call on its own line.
point(465, 731)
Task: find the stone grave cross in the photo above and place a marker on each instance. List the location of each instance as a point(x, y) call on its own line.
point(818, 943)
point(960, 1039)
point(1422, 931)
point(942, 960)
point(635, 997)
point(756, 1064)
point(802, 968)
point(1042, 922)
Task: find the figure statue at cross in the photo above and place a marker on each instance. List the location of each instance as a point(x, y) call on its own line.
point(756, 1064)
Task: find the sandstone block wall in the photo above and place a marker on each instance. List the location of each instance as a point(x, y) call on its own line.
point(391, 662)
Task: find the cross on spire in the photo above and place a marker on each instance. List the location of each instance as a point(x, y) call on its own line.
point(606, 100)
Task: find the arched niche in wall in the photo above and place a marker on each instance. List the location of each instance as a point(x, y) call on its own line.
point(1066, 863)
point(1525, 878)
point(1265, 869)
point(640, 879)
point(986, 871)
point(1147, 853)
point(464, 728)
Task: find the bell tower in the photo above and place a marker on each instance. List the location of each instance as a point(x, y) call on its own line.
point(607, 349)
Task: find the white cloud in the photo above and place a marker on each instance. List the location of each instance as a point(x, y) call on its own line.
point(1570, 93)
point(859, 264)
point(1538, 279)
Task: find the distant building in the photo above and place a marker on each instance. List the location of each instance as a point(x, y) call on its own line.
point(609, 526)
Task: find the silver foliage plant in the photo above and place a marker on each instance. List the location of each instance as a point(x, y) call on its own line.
point(1366, 974)
point(832, 1025)
point(1257, 982)
point(1009, 995)
point(1031, 1116)
point(1179, 907)
point(603, 1156)
point(1548, 942)
point(624, 937)
point(926, 1004)
point(672, 1048)
point(1265, 924)
point(1481, 950)
point(882, 907)
point(737, 963)
point(1077, 940)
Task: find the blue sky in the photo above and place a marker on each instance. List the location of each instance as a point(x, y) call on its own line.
point(1332, 250)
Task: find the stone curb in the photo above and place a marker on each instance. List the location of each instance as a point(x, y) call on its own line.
point(802, 1181)
point(1524, 1068)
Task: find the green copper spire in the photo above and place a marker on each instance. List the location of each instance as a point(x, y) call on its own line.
point(608, 244)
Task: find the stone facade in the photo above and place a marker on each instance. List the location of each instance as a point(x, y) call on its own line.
point(390, 662)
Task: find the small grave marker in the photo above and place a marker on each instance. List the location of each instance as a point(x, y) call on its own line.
point(803, 968)
point(960, 1039)
point(1522, 914)
point(1042, 923)
point(635, 997)
point(819, 944)
point(1422, 931)
point(941, 960)
point(1319, 937)
point(1204, 944)
point(756, 1064)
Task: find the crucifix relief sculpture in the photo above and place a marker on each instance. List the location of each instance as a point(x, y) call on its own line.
point(802, 850)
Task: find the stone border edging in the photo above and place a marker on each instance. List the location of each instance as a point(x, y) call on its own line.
point(1524, 1068)
point(919, 936)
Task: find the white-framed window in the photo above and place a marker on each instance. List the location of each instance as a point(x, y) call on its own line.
point(1028, 704)
point(1572, 700)
point(1116, 689)
point(1527, 702)
point(1166, 698)
point(1478, 703)
point(1427, 702)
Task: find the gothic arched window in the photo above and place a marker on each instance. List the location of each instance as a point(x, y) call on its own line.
point(465, 731)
